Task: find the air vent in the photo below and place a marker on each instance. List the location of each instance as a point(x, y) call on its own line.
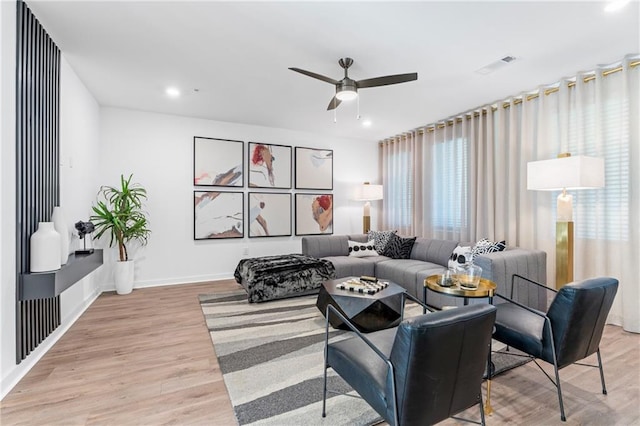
point(488, 69)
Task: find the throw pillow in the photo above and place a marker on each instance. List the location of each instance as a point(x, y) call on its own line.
point(399, 247)
point(358, 249)
point(486, 246)
point(380, 238)
point(461, 255)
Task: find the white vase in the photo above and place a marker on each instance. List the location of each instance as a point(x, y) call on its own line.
point(60, 223)
point(123, 276)
point(45, 248)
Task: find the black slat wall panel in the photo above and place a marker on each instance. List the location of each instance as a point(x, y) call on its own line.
point(37, 169)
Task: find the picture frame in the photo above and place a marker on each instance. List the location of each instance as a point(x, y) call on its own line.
point(269, 214)
point(269, 166)
point(218, 162)
point(218, 215)
point(314, 214)
point(314, 168)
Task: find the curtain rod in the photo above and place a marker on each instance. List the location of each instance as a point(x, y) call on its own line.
point(449, 122)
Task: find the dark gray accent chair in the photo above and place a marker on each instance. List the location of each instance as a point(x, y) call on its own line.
point(568, 332)
point(426, 370)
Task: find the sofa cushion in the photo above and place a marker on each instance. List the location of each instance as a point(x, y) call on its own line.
point(358, 249)
point(485, 246)
point(347, 266)
point(399, 247)
point(381, 239)
point(434, 251)
point(404, 272)
point(460, 256)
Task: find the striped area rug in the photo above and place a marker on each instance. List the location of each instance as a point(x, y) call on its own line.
point(271, 357)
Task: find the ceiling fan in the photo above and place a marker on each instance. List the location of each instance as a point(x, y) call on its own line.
point(347, 89)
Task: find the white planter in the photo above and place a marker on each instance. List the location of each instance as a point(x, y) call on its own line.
point(45, 248)
point(123, 276)
point(60, 223)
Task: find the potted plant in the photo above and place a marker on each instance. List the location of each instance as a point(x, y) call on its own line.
point(119, 214)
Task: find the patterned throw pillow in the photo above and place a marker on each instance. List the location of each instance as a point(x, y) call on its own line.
point(399, 247)
point(485, 246)
point(381, 239)
point(461, 255)
point(358, 249)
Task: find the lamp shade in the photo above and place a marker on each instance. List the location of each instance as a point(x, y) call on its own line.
point(574, 172)
point(368, 192)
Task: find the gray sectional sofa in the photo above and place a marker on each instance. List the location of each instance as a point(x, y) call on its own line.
point(428, 257)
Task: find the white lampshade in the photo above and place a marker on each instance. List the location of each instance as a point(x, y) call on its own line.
point(368, 192)
point(578, 172)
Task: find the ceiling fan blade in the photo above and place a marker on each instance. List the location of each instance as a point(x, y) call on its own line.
point(314, 75)
point(334, 103)
point(386, 80)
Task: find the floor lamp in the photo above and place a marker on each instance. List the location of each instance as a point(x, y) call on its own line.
point(367, 192)
point(563, 173)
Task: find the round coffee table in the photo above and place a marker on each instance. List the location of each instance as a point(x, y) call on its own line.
point(368, 312)
point(486, 288)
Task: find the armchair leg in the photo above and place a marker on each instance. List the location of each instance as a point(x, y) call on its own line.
point(604, 388)
point(555, 367)
point(481, 409)
point(326, 353)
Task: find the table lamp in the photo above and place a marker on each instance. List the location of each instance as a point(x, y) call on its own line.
point(367, 192)
point(563, 173)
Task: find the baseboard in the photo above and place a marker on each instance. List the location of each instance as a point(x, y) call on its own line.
point(172, 281)
point(9, 381)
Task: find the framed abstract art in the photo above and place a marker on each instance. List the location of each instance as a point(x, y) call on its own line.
point(269, 214)
point(218, 215)
point(269, 166)
point(314, 168)
point(218, 162)
point(314, 214)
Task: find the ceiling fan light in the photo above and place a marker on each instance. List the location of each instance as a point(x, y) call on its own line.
point(347, 94)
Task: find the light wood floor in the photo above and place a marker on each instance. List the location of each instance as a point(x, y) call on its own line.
point(146, 358)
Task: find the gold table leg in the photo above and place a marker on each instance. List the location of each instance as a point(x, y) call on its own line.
point(488, 409)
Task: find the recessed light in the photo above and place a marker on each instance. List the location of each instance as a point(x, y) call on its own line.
point(616, 5)
point(366, 123)
point(172, 92)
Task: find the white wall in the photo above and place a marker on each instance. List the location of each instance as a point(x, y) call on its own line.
point(79, 138)
point(158, 150)
point(7, 191)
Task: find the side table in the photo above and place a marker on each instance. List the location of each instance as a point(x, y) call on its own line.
point(486, 289)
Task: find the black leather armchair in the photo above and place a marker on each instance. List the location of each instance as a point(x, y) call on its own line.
point(568, 332)
point(425, 370)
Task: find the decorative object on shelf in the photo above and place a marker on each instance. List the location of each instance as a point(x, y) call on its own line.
point(367, 192)
point(45, 248)
point(119, 213)
point(83, 229)
point(562, 173)
point(218, 162)
point(60, 224)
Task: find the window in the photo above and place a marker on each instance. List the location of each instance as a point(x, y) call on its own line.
point(598, 130)
point(450, 186)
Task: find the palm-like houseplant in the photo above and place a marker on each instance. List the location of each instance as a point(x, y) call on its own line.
point(119, 213)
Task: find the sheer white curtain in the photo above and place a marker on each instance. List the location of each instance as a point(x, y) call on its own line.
point(465, 178)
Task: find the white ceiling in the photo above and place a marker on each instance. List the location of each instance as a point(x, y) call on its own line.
point(237, 54)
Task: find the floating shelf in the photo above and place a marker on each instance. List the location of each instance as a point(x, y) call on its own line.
point(42, 285)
